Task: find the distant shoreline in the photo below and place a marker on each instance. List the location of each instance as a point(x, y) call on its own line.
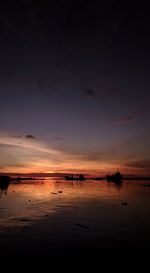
point(124, 178)
point(40, 176)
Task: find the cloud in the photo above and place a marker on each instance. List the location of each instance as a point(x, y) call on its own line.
point(140, 164)
point(101, 93)
point(30, 136)
point(28, 144)
point(35, 156)
point(128, 118)
point(90, 93)
point(26, 136)
point(92, 156)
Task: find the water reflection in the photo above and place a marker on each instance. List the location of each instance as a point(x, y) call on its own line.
point(29, 201)
point(117, 185)
point(60, 215)
point(4, 187)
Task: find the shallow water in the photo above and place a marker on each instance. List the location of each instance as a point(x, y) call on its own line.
point(66, 215)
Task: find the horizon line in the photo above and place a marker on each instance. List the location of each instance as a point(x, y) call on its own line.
point(57, 174)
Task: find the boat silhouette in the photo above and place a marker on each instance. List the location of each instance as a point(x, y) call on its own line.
point(5, 179)
point(4, 183)
point(116, 177)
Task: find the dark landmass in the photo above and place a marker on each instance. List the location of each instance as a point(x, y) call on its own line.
point(36, 176)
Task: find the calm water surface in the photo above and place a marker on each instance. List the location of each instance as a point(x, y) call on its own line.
point(62, 214)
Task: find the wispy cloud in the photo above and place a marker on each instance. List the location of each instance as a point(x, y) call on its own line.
point(101, 93)
point(26, 136)
point(30, 136)
point(139, 164)
point(16, 136)
point(97, 156)
point(128, 118)
point(35, 156)
point(27, 143)
point(90, 93)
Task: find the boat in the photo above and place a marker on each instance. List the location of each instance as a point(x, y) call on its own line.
point(24, 178)
point(79, 177)
point(4, 183)
point(116, 177)
point(5, 179)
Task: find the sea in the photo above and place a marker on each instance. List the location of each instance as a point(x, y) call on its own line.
point(52, 217)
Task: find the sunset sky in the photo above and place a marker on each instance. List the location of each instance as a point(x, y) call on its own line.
point(74, 87)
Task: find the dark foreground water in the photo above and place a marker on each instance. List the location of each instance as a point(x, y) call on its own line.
point(52, 218)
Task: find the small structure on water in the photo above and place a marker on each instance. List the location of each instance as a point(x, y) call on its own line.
point(80, 177)
point(116, 177)
point(5, 179)
point(24, 178)
point(4, 183)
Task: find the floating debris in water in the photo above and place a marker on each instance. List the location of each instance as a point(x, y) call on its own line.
point(124, 203)
point(53, 192)
point(81, 225)
point(60, 191)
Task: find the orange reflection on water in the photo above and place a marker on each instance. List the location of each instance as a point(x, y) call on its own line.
point(30, 201)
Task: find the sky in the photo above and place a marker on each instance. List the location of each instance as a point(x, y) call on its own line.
point(74, 87)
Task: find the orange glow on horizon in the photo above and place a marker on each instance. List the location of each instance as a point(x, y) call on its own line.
point(33, 156)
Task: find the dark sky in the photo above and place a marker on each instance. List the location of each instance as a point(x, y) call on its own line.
point(74, 86)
